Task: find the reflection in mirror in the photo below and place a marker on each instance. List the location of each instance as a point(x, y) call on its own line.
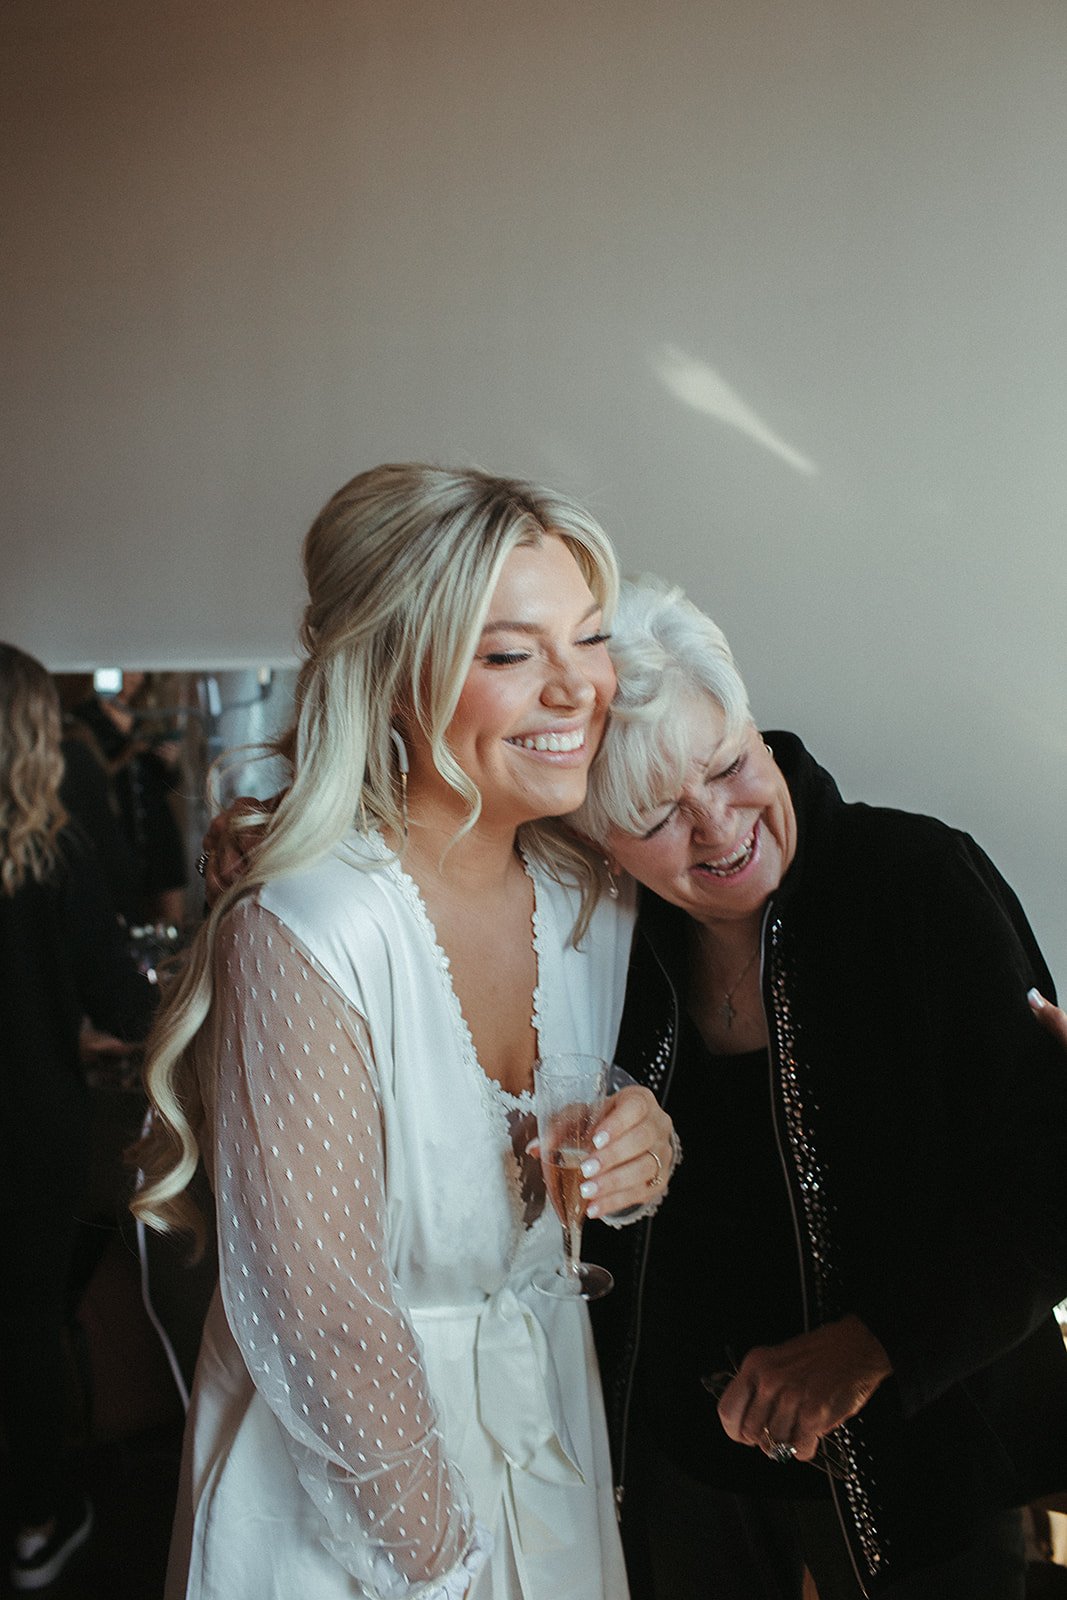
point(139, 747)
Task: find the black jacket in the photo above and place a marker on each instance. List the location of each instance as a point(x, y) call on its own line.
point(62, 956)
point(922, 1119)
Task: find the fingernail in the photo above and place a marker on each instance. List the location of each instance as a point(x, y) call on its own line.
point(600, 1139)
point(592, 1211)
point(590, 1168)
point(1036, 1000)
point(587, 1191)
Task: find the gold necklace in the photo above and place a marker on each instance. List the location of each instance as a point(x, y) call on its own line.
point(729, 1010)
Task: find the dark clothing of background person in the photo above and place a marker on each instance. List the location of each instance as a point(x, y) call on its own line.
point(919, 1120)
point(88, 796)
point(142, 784)
point(62, 956)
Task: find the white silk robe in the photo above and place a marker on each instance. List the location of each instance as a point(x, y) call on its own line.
point(379, 1386)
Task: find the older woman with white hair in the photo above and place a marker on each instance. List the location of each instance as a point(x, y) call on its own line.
point(833, 1346)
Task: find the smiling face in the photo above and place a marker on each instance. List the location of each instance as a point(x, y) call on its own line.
point(721, 844)
point(532, 710)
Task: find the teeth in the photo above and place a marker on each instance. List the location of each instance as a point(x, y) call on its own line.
point(729, 863)
point(555, 742)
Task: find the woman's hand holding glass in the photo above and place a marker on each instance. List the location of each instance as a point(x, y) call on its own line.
point(632, 1154)
point(596, 1159)
point(569, 1093)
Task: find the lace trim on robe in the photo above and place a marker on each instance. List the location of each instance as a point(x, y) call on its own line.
point(511, 1116)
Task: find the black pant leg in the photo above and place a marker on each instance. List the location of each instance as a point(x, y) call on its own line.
point(39, 1234)
point(700, 1543)
point(991, 1566)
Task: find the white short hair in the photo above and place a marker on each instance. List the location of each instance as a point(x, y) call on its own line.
point(666, 653)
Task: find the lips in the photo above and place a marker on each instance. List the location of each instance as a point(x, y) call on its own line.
point(557, 743)
point(739, 858)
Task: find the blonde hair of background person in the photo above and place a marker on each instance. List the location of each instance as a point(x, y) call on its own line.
point(31, 769)
point(393, 618)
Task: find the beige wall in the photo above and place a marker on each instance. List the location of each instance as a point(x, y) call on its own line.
point(777, 285)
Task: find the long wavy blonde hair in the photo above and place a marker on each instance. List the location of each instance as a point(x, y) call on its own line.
point(400, 565)
point(31, 769)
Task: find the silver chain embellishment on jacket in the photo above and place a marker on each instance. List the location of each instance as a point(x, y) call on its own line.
point(817, 1216)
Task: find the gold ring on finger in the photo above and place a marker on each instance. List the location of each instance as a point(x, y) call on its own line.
point(653, 1182)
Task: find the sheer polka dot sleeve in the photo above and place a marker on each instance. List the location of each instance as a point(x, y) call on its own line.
point(299, 1170)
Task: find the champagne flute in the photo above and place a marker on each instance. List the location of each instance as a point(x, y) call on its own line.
point(569, 1093)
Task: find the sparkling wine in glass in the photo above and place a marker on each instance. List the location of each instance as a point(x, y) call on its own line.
point(569, 1092)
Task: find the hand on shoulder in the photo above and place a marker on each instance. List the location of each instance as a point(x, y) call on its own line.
point(229, 841)
point(1052, 1018)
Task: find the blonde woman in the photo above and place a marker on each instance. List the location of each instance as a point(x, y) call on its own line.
point(383, 1406)
point(61, 957)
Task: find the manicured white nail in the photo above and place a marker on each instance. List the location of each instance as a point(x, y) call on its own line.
point(590, 1168)
point(600, 1139)
point(1036, 1000)
point(587, 1191)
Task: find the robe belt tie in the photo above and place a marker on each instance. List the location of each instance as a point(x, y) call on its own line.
point(519, 1400)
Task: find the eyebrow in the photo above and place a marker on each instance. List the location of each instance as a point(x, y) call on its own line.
point(532, 627)
point(717, 757)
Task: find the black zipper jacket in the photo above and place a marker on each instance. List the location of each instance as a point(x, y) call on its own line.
point(921, 1116)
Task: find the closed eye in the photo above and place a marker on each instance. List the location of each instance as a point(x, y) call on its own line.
point(733, 769)
point(659, 826)
point(505, 658)
point(512, 658)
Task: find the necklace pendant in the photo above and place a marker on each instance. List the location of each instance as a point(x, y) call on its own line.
point(729, 1012)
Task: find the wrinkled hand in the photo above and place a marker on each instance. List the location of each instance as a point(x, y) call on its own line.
point(797, 1391)
point(1051, 1018)
point(230, 840)
point(620, 1172)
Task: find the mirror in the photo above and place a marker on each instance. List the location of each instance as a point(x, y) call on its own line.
point(139, 747)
